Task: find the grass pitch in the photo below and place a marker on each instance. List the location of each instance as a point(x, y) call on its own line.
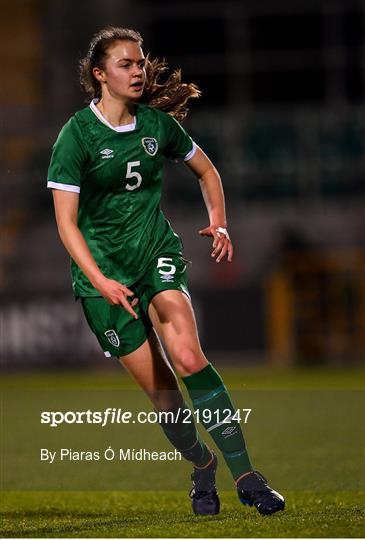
point(328, 500)
point(168, 514)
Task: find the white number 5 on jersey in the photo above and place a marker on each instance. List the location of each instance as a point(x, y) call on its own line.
point(133, 174)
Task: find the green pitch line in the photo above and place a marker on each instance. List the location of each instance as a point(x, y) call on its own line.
point(235, 378)
point(168, 514)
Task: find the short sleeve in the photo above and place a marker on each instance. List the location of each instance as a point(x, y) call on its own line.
point(178, 143)
point(68, 160)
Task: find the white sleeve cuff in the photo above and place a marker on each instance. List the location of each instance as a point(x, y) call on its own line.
point(190, 154)
point(63, 187)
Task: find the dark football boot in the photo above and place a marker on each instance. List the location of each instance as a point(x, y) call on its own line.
point(254, 490)
point(204, 496)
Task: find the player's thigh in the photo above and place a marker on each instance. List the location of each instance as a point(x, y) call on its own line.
point(135, 344)
point(172, 315)
point(149, 367)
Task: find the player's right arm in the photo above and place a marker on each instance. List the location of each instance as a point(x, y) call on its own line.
point(66, 208)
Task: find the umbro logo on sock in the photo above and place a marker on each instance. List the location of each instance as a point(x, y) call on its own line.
point(229, 431)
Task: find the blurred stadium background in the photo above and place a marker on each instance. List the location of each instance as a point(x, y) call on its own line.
point(282, 116)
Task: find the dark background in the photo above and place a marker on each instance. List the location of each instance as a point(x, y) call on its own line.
point(281, 115)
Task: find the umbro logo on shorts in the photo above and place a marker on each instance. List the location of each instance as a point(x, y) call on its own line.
point(150, 145)
point(107, 153)
point(112, 337)
point(167, 278)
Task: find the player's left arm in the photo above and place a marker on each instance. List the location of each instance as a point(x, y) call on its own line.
point(212, 190)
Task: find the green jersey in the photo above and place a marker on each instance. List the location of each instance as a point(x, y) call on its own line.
point(118, 174)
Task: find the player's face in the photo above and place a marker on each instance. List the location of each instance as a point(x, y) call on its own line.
point(124, 72)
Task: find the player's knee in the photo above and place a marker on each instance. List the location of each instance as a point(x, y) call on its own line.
point(189, 361)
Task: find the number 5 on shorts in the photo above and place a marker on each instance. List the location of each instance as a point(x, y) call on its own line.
point(165, 262)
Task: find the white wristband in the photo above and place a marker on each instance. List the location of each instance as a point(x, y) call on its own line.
point(223, 231)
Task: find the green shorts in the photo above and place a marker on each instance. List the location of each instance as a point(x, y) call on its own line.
point(116, 330)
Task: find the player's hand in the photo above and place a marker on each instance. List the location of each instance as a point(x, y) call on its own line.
point(116, 293)
point(222, 245)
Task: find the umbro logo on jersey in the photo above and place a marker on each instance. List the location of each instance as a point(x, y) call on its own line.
point(150, 145)
point(112, 337)
point(107, 153)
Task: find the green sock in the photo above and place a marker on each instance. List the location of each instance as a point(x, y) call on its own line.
point(208, 393)
point(185, 437)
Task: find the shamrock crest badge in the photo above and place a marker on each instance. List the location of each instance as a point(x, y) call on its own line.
point(112, 337)
point(150, 145)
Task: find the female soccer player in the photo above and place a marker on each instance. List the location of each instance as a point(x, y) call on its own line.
point(127, 264)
